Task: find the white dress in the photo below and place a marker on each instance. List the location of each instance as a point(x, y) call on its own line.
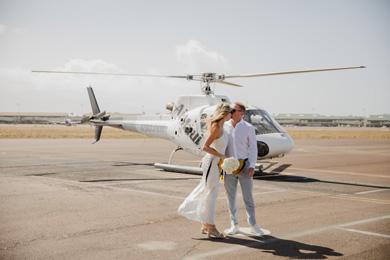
point(200, 204)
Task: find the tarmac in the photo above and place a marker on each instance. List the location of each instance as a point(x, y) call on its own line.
point(68, 199)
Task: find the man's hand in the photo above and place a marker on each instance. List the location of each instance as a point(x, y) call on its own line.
point(251, 172)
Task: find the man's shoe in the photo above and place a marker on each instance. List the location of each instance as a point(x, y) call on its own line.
point(256, 230)
point(233, 230)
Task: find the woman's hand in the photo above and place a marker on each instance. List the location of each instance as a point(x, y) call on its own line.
point(223, 157)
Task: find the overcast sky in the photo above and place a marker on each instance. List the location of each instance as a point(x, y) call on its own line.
point(189, 37)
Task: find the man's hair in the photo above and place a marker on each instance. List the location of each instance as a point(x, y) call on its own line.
point(241, 105)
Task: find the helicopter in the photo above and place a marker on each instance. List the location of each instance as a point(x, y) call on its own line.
point(184, 123)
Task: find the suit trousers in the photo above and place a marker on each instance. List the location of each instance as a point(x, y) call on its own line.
point(246, 188)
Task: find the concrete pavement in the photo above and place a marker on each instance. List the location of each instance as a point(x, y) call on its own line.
point(68, 199)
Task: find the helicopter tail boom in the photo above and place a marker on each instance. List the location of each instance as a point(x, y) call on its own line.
point(156, 127)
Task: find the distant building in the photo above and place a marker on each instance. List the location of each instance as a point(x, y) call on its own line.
point(378, 121)
point(44, 118)
point(332, 121)
point(31, 118)
point(313, 120)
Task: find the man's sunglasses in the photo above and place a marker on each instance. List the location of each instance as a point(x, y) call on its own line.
point(234, 110)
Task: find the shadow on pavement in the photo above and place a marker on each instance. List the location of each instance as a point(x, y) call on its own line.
point(275, 175)
point(120, 164)
point(281, 247)
point(151, 179)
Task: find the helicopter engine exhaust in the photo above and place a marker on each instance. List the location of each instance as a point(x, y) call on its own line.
point(170, 106)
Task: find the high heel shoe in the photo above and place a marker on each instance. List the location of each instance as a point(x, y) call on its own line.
point(203, 229)
point(213, 235)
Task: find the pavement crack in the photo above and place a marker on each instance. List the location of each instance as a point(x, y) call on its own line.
point(191, 249)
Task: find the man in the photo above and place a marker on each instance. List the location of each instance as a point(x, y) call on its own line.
point(242, 144)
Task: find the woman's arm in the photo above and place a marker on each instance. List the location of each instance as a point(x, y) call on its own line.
point(213, 135)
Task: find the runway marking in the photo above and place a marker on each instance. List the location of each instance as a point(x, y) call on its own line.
point(113, 187)
point(246, 232)
point(255, 193)
point(158, 245)
point(235, 248)
point(340, 172)
point(267, 192)
point(341, 196)
point(370, 191)
point(182, 198)
point(364, 232)
point(364, 221)
point(142, 191)
point(163, 173)
point(139, 191)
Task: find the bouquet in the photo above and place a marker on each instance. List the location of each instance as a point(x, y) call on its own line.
point(229, 165)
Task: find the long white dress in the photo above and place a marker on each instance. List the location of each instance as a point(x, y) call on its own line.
point(200, 204)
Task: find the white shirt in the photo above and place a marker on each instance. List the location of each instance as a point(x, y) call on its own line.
point(242, 142)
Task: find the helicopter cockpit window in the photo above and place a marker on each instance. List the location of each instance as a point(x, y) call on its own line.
point(262, 121)
point(202, 123)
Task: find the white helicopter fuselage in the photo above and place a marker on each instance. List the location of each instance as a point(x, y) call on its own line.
point(184, 125)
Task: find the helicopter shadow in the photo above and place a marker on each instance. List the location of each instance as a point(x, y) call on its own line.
point(280, 247)
point(276, 176)
point(129, 164)
point(146, 179)
point(122, 164)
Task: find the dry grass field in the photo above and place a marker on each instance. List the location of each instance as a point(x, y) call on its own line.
point(88, 132)
point(63, 132)
point(339, 133)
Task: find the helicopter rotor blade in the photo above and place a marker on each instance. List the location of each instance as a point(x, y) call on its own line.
point(110, 74)
point(228, 83)
point(289, 72)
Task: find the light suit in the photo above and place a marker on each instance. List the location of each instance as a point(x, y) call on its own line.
point(242, 144)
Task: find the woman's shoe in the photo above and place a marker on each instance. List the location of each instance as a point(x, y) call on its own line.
point(203, 229)
point(212, 232)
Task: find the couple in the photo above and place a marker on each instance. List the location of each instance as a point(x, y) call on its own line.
point(235, 138)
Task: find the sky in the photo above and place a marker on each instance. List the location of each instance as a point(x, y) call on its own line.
point(182, 37)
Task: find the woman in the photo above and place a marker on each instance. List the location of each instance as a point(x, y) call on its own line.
point(200, 204)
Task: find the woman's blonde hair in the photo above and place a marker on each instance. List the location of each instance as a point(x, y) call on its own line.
point(220, 112)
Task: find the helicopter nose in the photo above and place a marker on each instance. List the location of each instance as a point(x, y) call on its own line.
point(288, 143)
point(274, 145)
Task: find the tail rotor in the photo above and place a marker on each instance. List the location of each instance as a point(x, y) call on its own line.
point(98, 133)
point(96, 114)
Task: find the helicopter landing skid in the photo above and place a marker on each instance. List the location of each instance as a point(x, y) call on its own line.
point(178, 168)
point(197, 170)
point(174, 151)
point(260, 167)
